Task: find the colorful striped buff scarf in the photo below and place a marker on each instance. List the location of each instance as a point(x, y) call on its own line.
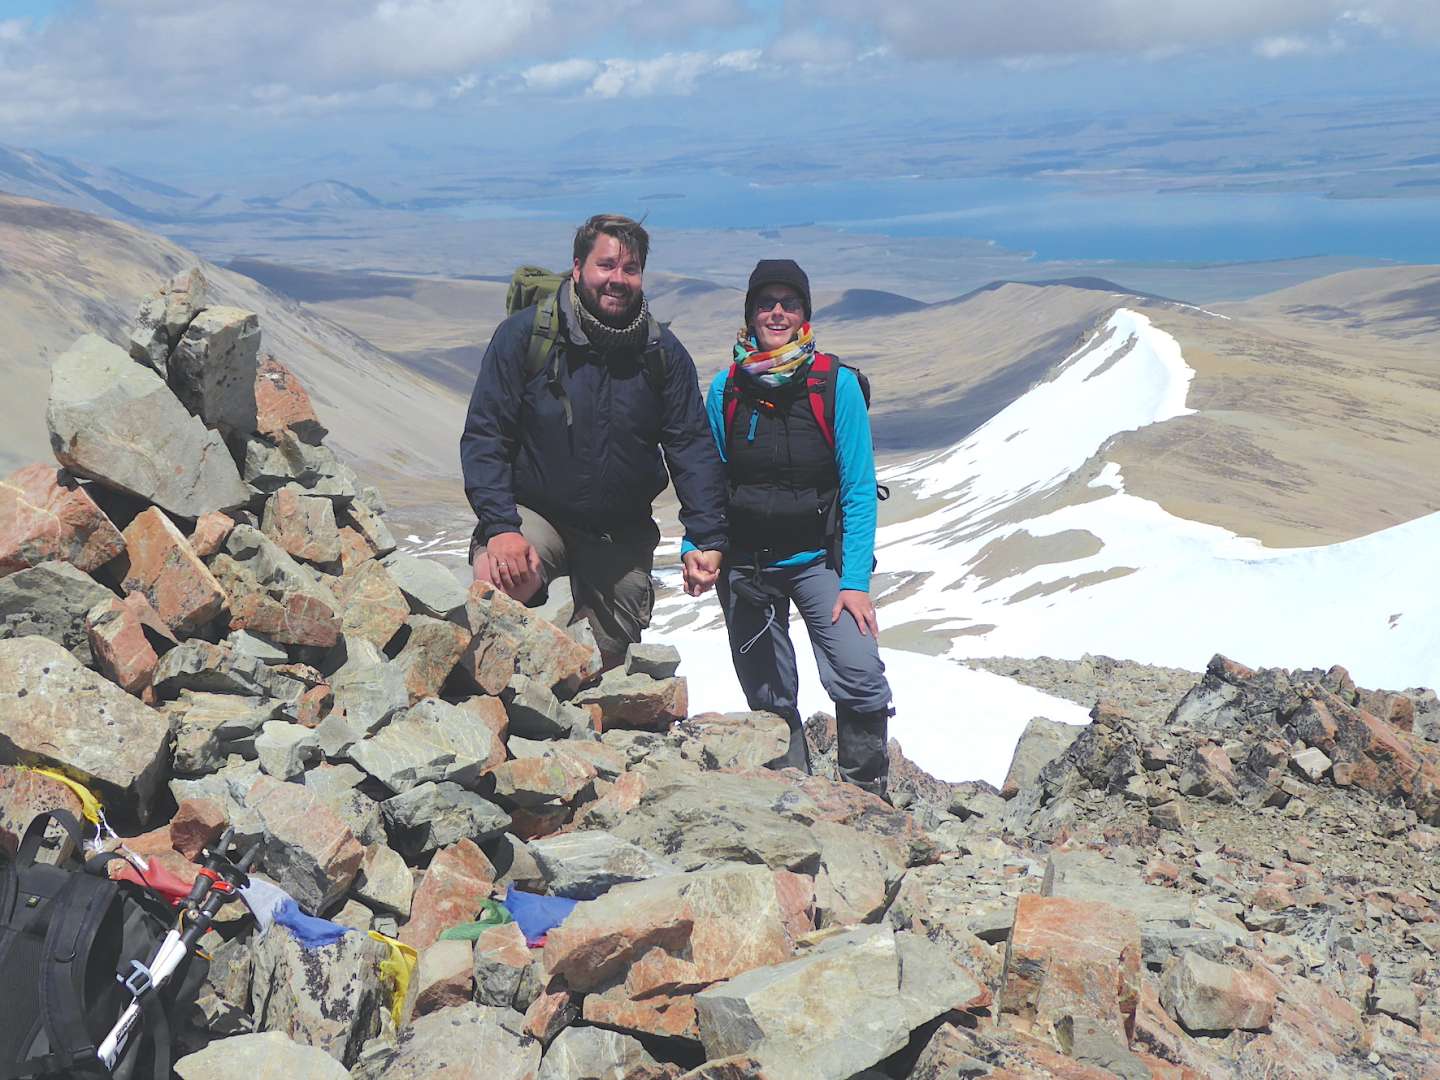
point(778, 366)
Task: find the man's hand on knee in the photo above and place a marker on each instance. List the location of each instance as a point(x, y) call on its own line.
point(511, 562)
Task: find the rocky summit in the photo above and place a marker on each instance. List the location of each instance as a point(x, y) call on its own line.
point(1225, 874)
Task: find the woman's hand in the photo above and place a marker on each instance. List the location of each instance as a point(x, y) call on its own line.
point(700, 569)
point(858, 604)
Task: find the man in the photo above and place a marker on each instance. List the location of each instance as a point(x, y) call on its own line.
point(562, 466)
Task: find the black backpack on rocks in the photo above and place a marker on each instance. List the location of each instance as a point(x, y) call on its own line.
point(68, 935)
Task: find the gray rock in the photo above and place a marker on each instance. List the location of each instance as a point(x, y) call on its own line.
point(582, 865)
point(657, 661)
point(51, 601)
point(823, 1016)
point(466, 1042)
point(337, 786)
point(209, 728)
point(431, 741)
point(265, 1055)
point(56, 713)
point(384, 881)
point(590, 1053)
point(433, 816)
point(355, 915)
point(1399, 1001)
point(1205, 996)
point(329, 997)
point(227, 786)
point(930, 982)
point(536, 713)
point(514, 864)
point(1088, 875)
point(499, 966)
point(431, 588)
point(201, 666)
point(740, 740)
point(1091, 1042)
point(286, 750)
point(1040, 743)
point(1310, 763)
point(274, 568)
point(369, 688)
point(164, 316)
point(336, 736)
point(116, 421)
point(244, 643)
point(213, 367)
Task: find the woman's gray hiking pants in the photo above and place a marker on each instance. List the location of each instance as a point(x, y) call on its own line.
point(849, 663)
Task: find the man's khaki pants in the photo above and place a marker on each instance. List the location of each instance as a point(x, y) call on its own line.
point(609, 576)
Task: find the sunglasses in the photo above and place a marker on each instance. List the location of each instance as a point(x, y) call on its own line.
point(792, 304)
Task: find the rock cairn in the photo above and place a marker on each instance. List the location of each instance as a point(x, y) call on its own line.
point(203, 619)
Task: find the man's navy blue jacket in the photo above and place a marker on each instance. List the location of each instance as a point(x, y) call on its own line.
point(602, 472)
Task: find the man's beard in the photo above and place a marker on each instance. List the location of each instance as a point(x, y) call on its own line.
point(591, 300)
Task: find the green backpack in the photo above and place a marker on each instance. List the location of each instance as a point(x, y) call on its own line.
point(540, 287)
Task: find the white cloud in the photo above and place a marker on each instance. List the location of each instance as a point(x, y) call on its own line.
point(672, 73)
point(561, 75)
point(1287, 45)
point(1031, 28)
point(153, 61)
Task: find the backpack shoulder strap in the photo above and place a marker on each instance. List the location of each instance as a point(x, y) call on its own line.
point(543, 336)
point(820, 388)
point(731, 399)
point(654, 358)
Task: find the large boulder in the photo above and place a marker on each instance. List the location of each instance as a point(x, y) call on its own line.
point(277, 596)
point(638, 701)
point(51, 601)
point(435, 815)
point(126, 638)
point(371, 604)
point(458, 879)
point(212, 369)
point(590, 1053)
point(45, 515)
point(117, 422)
point(330, 997)
point(431, 589)
point(56, 713)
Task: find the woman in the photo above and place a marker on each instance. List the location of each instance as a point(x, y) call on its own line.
point(802, 523)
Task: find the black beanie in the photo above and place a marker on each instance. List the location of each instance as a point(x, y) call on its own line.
point(778, 272)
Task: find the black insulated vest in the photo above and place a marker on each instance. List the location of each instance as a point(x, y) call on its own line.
point(782, 475)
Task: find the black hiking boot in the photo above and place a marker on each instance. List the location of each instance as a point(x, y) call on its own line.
point(797, 755)
point(860, 748)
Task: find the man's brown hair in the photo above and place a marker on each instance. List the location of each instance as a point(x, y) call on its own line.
point(630, 234)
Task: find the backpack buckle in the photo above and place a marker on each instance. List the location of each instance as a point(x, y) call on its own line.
point(139, 981)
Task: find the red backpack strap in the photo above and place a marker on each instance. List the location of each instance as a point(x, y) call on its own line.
point(820, 386)
point(731, 400)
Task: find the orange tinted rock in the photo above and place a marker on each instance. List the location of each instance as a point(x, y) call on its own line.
point(170, 575)
point(510, 639)
point(126, 638)
point(1071, 957)
point(211, 531)
point(490, 711)
point(458, 879)
point(533, 823)
point(549, 1014)
point(1205, 996)
point(354, 549)
point(659, 1015)
point(196, 825)
point(304, 525)
point(281, 404)
point(430, 654)
point(371, 604)
point(314, 706)
point(797, 902)
point(44, 515)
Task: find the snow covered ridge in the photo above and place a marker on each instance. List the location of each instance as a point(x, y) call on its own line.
point(988, 562)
